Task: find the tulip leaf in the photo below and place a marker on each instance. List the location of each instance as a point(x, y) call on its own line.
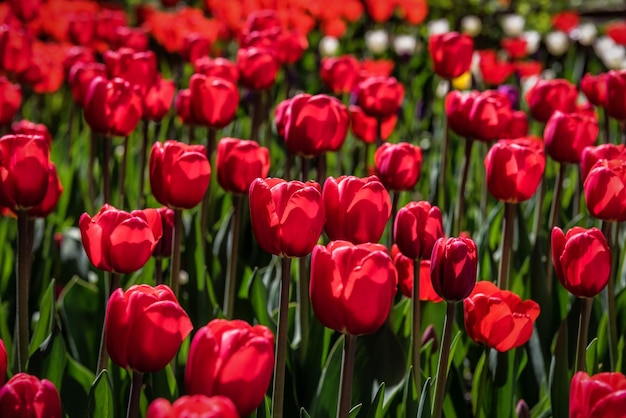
point(48, 361)
point(559, 375)
point(258, 299)
point(304, 413)
point(46, 318)
point(376, 409)
point(324, 404)
point(423, 410)
point(410, 396)
point(100, 403)
point(76, 386)
point(592, 357)
point(481, 387)
point(355, 411)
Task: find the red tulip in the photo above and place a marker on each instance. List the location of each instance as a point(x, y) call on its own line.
point(280, 117)
point(380, 96)
point(112, 107)
point(365, 127)
point(182, 104)
point(339, 74)
point(16, 50)
point(615, 104)
point(257, 68)
point(195, 46)
point(214, 101)
point(26, 127)
point(287, 217)
point(3, 363)
point(198, 406)
point(357, 209)
point(567, 134)
point(217, 67)
point(380, 10)
point(138, 68)
point(10, 100)
point(601, 395)
point(616, 30)
point(352, 286)
point(144, 327)
point(239, 162)
point(413, 11)
point(515, 47)
point(458, 106)
point(582, 260)
point(80, 76)
point(132, 38)
point(290, 46)
point(605, 190)
point(81, 28)
point(490, 116)
point(75, 55)
point(24, 161)
point(25, 396)
point(515, 168)
point(565, 21)
point(451, 54)
point(25, 10)
point(45, 72)
point(525, 69)
point(518, 126)
point(417, 226)
point(595, 88)
point(158, 99)
point(50, 200)
point(548, 96)
point(495, 72)
point(163, 248)
point(591, 155)
point(232, 359)
point(404, 266)
point(453, 268)
point(498, 318)
point(398, 166)
point(119, 241)
point(179, 174)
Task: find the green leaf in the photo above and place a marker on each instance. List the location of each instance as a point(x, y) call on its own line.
point(324, 404)
point(410, 396)
point(48, 361)
point(592, 357)
point(76, 386)
point(376, 410)
point(304, 413)
point(424, 407)
point(258, 299)
point(559, 375)
point(355, 411)
point(43, 327)
point(100, 404)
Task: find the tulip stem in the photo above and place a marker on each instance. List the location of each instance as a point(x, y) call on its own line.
point(445, 144)
point(395, 198)
point(122, 179)
point(257, 117)
point(303, 304)
point(142, 163)
point(379, 132)
point(192, 134)
point(135, 395)
point(442, 365)
point(583, 328)
point(158, 271)
point(103, 355)
point(416, 322)
point(555, 208)
point(278, 392)
point(178, 232)
point(484, 193)
point(506, 248)
point(539, 196)
point(321, 168)
point(607, 126)
point(304, 168)
point(22, 285)
point(91, 181)
point(347, 372)
point(460, 199)
point(366, 159)
point(231, 277)
point(206, 199)
point(106, 180)
point(610, 292)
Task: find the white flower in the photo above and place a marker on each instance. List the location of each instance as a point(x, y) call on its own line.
point(513, 25)
point(404, 44)
point(329, 46)
point(602, 44)
point(438, 27)
point(585, 33)
point(613, 57)
point(533, 39)
point(557, 43)
point(377, 41)
point(471, 25)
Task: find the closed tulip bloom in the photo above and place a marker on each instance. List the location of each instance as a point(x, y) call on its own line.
point(182, 104)
point(139, 68)
point(232, 359)
point(133, 38)
point(280, 117)
point(498, 318)
point(3, 363)
point(451, 54)
point(25, 396)
point(616, 95)
point(380, 96)
point(81, 28)
point(24, 161)
point(257, 68)
point(357, 209)
point(239, 162)
point(515, 47)
point(217, 67)
point(567, 134)
point(290, 46)
point(214, 100)
point(490, 116)
point(453, 268)
point(26, 127)
point(601, 395)
point(315, 124)
point(595, 88)
point(418, 225)
point(80, 76)
point(198, 406)
point(76, 54)
point(195, 47)
point(404, 266)
point(591, 155)
point(163, 248)
point(518, 126)
point(112, 107)
point(605, 190)
point(16, 50)
point(548, 96)
point(515, 168)
point(365, 127)
point(50, 200)
point(352, 286)
point(495, 72)
point(118, 241)
point(179, 174)
point(287, 217)
point(158, 99)
point(458, 106)
point(144, 327)
point(340, 74)
point(10, 100)
point(398, 166)
point(582, 260)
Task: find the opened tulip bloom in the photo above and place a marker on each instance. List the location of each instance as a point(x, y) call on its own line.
point(119, 241)
point(198, 406)
point(404, 266)
point(25, 396)
point(398, 166)
point(352, 286)
point(498, 318)
point(453, 268)
point(605, 192)
point(418, 225)
point(239, 163)
point(600, 395)
point(232, 359)
point(144, 327)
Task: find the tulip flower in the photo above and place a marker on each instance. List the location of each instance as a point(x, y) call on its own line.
point(257, 68)
point(232, 359)
point(357, 209)
point(132, 38)
point(494, 72)
point(26, 127)
point(380, 96)
point(498, 318)
point(3, 363)
point(25, 396)
point(605, 192)
point(515, 47)
point(239, 162)
point(80, 76)
point(398, 166)
point(139, 68)
point(16, 50)
point(287, 217)
point(76, 54)
point(591, 155)
point(548, 96)
point(615, 104)
point(280, 117)
point(217, 67)
point(144, 327)
point(50, 200)
point(451, 54)
point(214, 101)
point(595, 88)
point(601, 395)
point(339, 74)
point(164, 246)
point(25, 10)
point(365, 127)
point(567, 134)
point(182, 104)
point(453, 268)
point(291, 46)
point(405, 269)
point(10, 100)
point(195, 46)
point(418, 225)
point(119, 241)
point(197, 405)
point(158, 99)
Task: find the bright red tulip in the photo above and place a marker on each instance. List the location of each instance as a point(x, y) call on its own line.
point(515, 168)
point(257, 68)
point(490, 116)
point(25, 10)
point(567, 134)
point(515, 47)
point(595, 88)
point(144, 327)
point(339, 74)
point(380, 96)
point(198, 406)
point(214, 101)
point(195, 46)
point(3, 363)
point(112, 107)
point(138, 68)
point(118, 241)
point(352, 286)
point(591, 155)
point(404, 266)
point(357, 209)
point(163, 247)
point(582, 260)
point(280, 117)
point(16, 50)
point(495, 72)
point(217, 67)
point(182, 104)
point(616, 30)
point(158, 99)
point(398, 166)
point(80, 76)
point(239, 162)
point(417, 226)
point(232, 359)
point(498, 318)
point(287, 217)
point(45, 73)
point(615, 104)
point(10, 100)
point(365, 127)
point(380, 10)
point(290, 46)
point(565, 21)
point(132, 38)
point(50, 200)
point(451, 54)
point(548, 96)
point(453, 268)
point(26, 127)
point(605, 190)
point(601, 395)
point(25, 396)
point(518, 126)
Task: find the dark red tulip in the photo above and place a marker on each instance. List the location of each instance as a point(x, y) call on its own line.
point(217, 67)
point(25, 396)
point(290, 46)
point(582, 260)
point(163, 247)
point(214, 100)
point(458, 106)
point(548, 96)
point(16, 50)
point(195, 46)
point(144, 327)
point(404, 266)
point(112, 107)
point(26, 127)
point(257, 68)
point(567, 134)
point(81, 28)
point(417, 226)
point(138, 68)
point(515, 47)
point(132, 38)
point(357, 209)
point(179, 174)
point(380, 96)
point(182, 104)
point(484, 116)
point(518, 126)
point(352, 286)
point(75, 55)
point(615, 104)
point(595, 88)
point(453, 268)
point(198, 406)
point(605, 190)
point(259, 20)
point(365, 127)
point(601, 395)
point(232, 359)
point(515, 168)
point(591, 155)
point(158, 99)
point(119, 241)
point(45, 73)
point(80, 77)
point(451, 54)
point(10, 100)
point(498, 318)
point(287, 217)
point(340, 73)
point(398, 166)
point(239, 162)
point(50, 200)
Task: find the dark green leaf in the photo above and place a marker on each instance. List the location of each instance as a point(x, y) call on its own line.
point(101, 397)
point(424, 406)
point(46, 318)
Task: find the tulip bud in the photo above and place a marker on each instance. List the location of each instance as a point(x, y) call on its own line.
point(522, 409)
point(453, 268)
point(430, 335)
point(513, 24)
point(25, 396)
point(471, 25)
point(193, 406)
point(239, 162)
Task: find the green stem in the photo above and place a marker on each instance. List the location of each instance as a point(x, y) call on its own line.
point(278, 393)
point(303, 304)
point(416, 323)
point(460, 199)
point(484, 191)
point(257, 117)
point(135, 395)
point(91, 180)
point(206, 199)
point(445, 144)
point(24, 249)
point(231, 276)
point(537, 225)
point(481, 384)
point(106, 179)
point(555, 208)
point(142, 163)
point(122, 179)
point(366, 159)
point(607, 229)
point(103, 355)
point(321, 168)
point(347, 373)
point(178, 233)
point(395, 198)
point(444, 355)
point(506, 248)
point(583, 329)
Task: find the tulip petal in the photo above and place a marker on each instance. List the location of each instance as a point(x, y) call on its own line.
point(131, 245)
